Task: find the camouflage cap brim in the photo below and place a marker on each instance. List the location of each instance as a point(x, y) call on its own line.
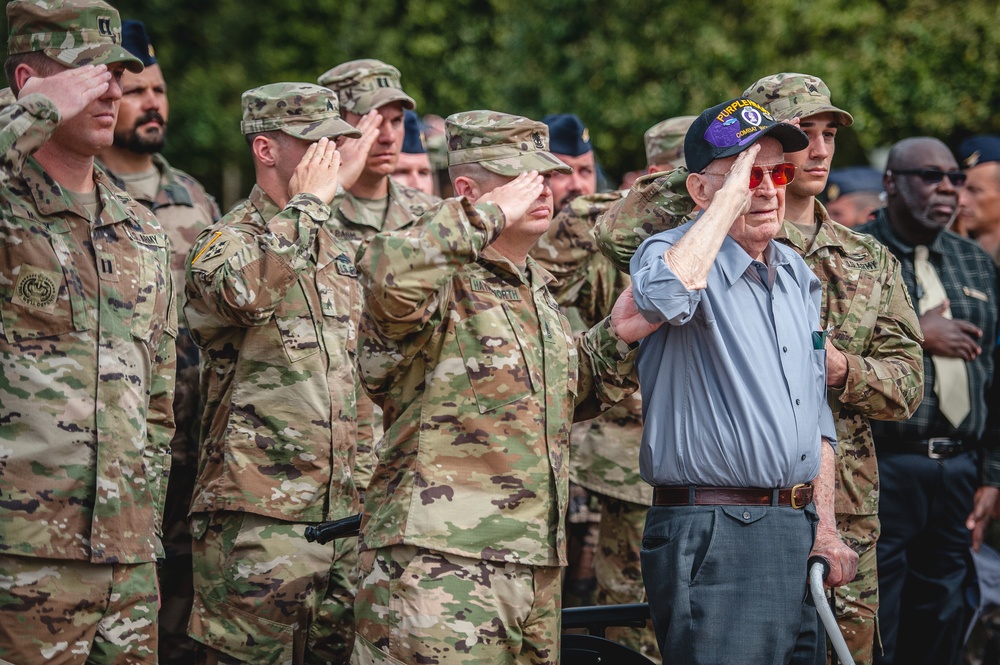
point(804, 110)
point(97, 54)
point(536, 160)
point(377, 99)
point(328, 128)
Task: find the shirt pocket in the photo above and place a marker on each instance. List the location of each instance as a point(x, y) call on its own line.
point(296, 324)
point(39, 286)
point(494, 359)
point(340, 303)
point(153, 295)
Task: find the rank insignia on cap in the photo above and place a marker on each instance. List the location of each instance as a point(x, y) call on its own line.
point(586, 135)
point(536, 138)
point(832, 192)
point(972, 159)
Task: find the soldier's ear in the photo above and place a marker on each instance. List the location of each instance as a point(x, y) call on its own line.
point(467, 187)
point(263, 148)
point(22, 73)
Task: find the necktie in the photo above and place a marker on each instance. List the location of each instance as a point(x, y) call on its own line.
point(951, 382)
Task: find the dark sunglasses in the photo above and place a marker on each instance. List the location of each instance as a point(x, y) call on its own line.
point(781, 175)
point(934, 176)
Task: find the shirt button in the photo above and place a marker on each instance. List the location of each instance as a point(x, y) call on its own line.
point(785, 349)
point(746, 514)
point(797, 402)
point(803, 458)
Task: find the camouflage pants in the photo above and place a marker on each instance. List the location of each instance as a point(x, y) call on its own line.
point(419, 606)
point(619, 575)
point(63, 612)
point(263, 594)
point(857, 601)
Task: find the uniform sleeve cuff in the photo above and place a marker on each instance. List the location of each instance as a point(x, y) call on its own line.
point(311, 205)
point(40, 106)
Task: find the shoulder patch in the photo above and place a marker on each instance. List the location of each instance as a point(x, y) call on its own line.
point(214, 248)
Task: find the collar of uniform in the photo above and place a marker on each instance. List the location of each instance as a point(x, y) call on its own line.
point(262, 203)
point(349, 207)
point(825, 236)
point(533, 274)
point(173, 192)
point(114, 208)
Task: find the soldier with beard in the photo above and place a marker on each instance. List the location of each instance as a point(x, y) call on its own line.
point(183, 209)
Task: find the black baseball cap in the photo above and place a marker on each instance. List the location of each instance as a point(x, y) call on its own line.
point(731, 127)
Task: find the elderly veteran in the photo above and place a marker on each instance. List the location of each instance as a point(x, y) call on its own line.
point(479, 376)
point(738, 437)
point(273, 304)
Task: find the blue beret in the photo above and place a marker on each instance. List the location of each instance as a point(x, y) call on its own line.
point(413, 142)
point(979, 149)
point(136, 41)
point(567, 135)
point(850, 180)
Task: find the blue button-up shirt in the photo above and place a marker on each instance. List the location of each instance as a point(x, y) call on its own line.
point(734, 385)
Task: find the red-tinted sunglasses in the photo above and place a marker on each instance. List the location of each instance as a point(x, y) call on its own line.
point(781, 175)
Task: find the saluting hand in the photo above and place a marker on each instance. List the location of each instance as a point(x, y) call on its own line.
point(71, 90)
point(516, 197)
point(317, 172)
point(354, 152)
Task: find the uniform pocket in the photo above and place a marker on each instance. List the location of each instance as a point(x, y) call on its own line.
point(296, 325)
point(37, 300)
point(494, 359)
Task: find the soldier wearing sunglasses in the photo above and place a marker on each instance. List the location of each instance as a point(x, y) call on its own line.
point(934, 471)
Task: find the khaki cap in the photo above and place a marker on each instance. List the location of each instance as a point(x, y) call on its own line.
point(665, 141)
point(302, 110)
point(789, 95)
point(73, 33)
point(363, 85)
point(507, 145)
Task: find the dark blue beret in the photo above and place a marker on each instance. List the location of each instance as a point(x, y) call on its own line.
point(413, 142)
point(979, 149)
point(567, 135)
point(852, 179)
point(136, 41)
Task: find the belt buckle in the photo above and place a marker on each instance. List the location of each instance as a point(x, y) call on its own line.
point(930, 446)
point(791, 498)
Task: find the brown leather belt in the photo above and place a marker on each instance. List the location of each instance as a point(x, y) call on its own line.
point(799, 496)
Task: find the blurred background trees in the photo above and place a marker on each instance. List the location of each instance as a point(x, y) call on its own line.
point(901, 67)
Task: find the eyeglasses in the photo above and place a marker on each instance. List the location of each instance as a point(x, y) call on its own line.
point(781, 174)
point(934, 176)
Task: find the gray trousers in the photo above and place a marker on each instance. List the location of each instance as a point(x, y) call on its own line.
point(728, 584)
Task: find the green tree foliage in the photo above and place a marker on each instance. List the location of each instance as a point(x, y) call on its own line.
point(901, 67)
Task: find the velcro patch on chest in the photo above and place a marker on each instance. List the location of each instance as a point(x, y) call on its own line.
point(860, 261)
point(37, 288)
point(345, 267)
point(482, 286)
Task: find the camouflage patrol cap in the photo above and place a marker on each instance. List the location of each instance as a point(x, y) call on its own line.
point(303, 110)
point(74, 33)
point(363, 85)
point(507, 145)
point(665, 141)
point(789, 95)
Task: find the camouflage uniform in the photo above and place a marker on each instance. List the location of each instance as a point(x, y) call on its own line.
point(604, 452)
point(363, 85)
point(184, 209)
point(87, 330)
point(273, 303)
point(872, 321)
point(664, 143)
point(477, 372)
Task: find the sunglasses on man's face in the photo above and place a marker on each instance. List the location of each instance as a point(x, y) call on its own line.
point(781, 174)
point(934, 176)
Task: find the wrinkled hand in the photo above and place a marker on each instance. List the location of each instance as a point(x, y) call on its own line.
point(737, 182)
point(985, 507)
point(836, 365)
point(843, 560)
point(950, 338)
point(630, 325)
point(317, 172)
point(515, 197)
point(71, 90)
point(354, 152)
